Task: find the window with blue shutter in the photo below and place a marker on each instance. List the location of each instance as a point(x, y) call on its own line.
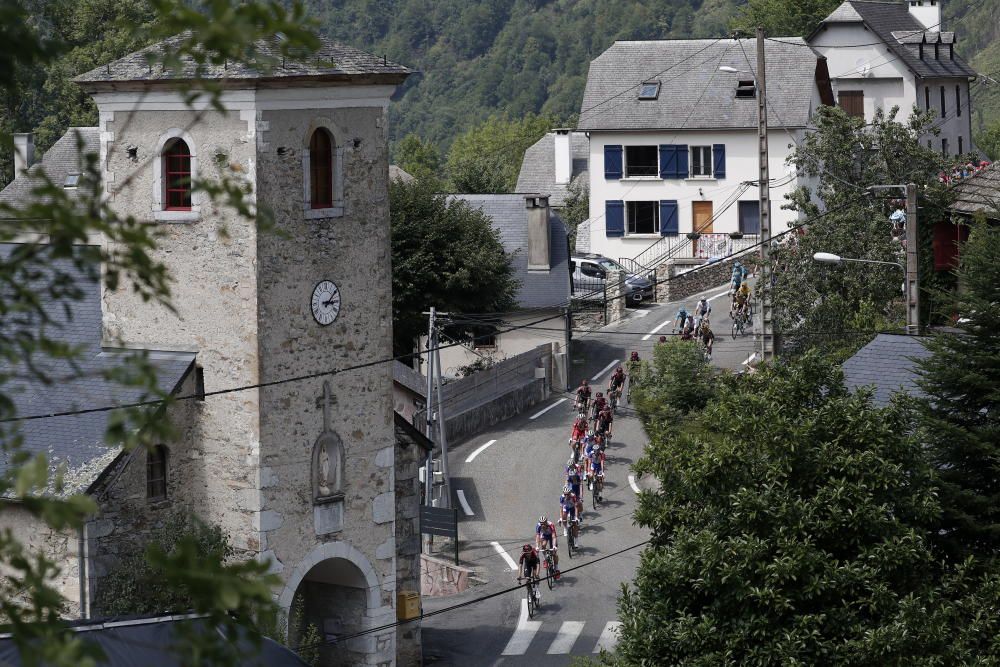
point(614, 217)
point(612, 162)
point(668, 161)
point(668, 217)
point(719, 160)
point(682, 161)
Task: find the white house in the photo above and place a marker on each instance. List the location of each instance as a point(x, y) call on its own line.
point(673, 141)
point(885, 54)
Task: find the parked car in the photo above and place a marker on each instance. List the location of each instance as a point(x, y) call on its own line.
point(590, 273)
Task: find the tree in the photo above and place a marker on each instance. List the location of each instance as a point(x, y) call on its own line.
point(421, 159)
point(229, 595)
point(784, 18)
point(833, 307)
point(577, 208)
point(961, 411)
point(677, 383)
point(487, 158)
point(444, 254)
point(989, 140)
point(792, 526)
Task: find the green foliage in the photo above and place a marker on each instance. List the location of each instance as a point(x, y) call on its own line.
point(784, 18)
point(679, 381)
point(818, 305)
point(487, 158)
point(961, 414)
point(444, 254)
point(421, 159)
point(792, 526)
point(577, 208)
point(989, 141)
point(307, 636)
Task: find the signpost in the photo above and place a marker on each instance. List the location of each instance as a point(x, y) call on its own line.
point(441, 521)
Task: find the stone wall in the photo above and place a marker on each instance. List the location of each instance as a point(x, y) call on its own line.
point(408, 495)
point(677, 281)
point(474, 420)
point(59, 546)
point(439, 578)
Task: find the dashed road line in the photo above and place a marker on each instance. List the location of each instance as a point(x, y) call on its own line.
point(542, 412)
point(525, 632)
point(479, 450)
point(604, 370)
point(568, 632)
point(506, 556)
point(631, 482)
point(609, 637)
point(656, 330)
point(640, 313)
point(719, 295)
point(464, 503)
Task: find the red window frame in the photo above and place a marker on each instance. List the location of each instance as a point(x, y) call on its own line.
point(321, 169)
point(177, 176)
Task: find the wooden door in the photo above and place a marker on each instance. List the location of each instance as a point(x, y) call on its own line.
point(701, 220)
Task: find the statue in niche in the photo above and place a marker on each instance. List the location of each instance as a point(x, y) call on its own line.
point(327, 458)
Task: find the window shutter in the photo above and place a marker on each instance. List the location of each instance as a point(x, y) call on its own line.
point(668, 217)
point(682, 161)
point(614, 218)
point(612, 162)
point(719, 160)
point(668, 161)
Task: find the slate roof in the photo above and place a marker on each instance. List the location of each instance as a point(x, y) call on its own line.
point(980, 192)
point(407, 434)
point(409, 378)
point(538, 168)
point(694, 94)
point(902, 33)
point(128, 642)
point(77, 440)
point(331, 61)
point(510, 218)
point(886, 364)
point(66, 156)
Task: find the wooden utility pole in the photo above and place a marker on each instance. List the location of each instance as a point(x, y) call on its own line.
point(763, 188)
point(912, 285)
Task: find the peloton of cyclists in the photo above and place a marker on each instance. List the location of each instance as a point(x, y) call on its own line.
point(569, 504)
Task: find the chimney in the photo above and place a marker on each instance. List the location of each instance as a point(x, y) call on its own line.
point(24, 152)
point(927, 13)
point(538, 232)
point(564, 155)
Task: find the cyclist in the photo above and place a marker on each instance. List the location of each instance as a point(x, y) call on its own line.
point(545, 534)
point(574, 476)
point(579, 430)
point(604, 422)
point(530, 564)
point(707, 337)
point(701, 311)
point(617, 381)
point(569, 503)
point(688, 331)
point(682, 316)
point(582, 396)
point(599, 404)
point(739, 275)
point(595, 470)
point(741, 300)
point(663, 339)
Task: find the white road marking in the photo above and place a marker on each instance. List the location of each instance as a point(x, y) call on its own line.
point(506, 556)
point(640, 313)
point(539, 414)
point(568, 632)
point(719, 295)
point(464, 503)
point(650, 334)
point(524, 633)
point(609, 638)
point(604, 370)
point(479, 450)
point(749, 359)
point(631, 482)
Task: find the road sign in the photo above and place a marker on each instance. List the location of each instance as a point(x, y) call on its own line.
point(441, 521)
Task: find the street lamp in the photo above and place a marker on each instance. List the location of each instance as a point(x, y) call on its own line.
point(727, 68)
point(830, 258)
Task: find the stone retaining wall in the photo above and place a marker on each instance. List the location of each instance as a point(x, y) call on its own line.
point(677, 280)
point(439, 577)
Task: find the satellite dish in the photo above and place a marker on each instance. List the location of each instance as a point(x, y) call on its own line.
point(862, 67)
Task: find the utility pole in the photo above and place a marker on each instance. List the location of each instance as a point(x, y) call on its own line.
point(912, 285)
point(763, 188)
point(432, 416)
point(442, 438)
point(428, 411)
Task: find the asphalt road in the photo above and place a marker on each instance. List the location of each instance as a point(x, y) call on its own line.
point(502, 480)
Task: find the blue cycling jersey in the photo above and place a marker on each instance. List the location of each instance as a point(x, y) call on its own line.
point(596, 466)
point(545, 530)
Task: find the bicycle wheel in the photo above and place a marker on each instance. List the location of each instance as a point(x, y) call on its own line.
point(551, 569)
point(531, 601)
point(569, 543)
point(594, 493)
point(735, 328)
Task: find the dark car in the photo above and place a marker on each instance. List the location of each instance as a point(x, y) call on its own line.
point(590, 272)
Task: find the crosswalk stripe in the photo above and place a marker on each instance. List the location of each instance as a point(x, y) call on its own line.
point(609, 637)
point(524, 633)
point(568, 632)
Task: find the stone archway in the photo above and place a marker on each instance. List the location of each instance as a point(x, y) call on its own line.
point(340, 596)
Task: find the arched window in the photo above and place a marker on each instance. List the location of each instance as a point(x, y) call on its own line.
point(321, 169)
point(156, 473)
point(176, 176)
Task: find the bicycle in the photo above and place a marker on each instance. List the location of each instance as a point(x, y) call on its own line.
point(613, 395)
point(550, 568)
point(531, 594)
point(582, 405)
point(740, 321)
point(597, 489)
point(631, 384)
point(572, 533)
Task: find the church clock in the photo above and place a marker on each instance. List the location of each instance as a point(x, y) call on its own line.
point(325, 302)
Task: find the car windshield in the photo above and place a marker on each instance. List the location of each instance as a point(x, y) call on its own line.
point(610, 265)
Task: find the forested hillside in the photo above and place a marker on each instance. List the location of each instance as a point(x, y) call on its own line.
point(477, 58)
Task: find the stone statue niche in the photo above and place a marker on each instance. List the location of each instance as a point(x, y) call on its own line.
point(327, 459)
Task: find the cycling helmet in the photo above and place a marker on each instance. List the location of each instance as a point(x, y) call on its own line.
point(663, 339)
point(526, 548)
point(543, 519)
point(584, 383)
point(567, 489)
point(600, 394)
point(635, 356)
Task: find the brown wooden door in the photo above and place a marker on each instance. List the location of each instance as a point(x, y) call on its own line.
point(701, 220)
point(852, 102)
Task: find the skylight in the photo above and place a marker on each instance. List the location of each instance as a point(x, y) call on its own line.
point(649, 90)
point(72, 180)
point(745, 88)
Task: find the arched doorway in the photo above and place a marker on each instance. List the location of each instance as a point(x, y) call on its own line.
point(331, 602)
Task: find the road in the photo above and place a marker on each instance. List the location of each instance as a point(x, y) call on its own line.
point(502, 480)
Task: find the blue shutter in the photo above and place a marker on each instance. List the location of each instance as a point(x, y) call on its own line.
point(668, 217)
point(682, 161)
point(612, 162)
point(614, 217)
point(719, 160)
point(668, 161)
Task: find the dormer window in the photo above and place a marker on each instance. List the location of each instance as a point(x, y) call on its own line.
point(649, 90)
point(746, 89)
point(72, 181)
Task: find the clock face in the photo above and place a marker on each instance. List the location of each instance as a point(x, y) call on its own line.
point(325, 302)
